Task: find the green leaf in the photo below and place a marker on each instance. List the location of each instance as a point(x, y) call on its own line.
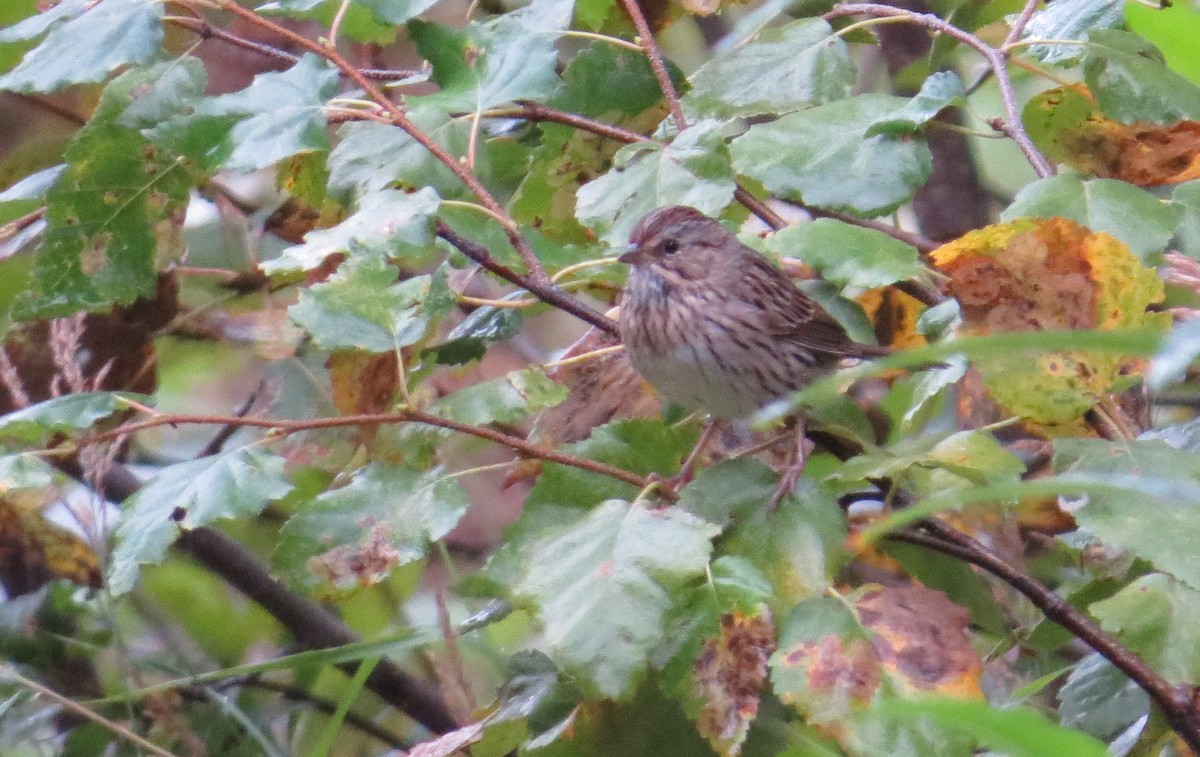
point(111, 214)
point(362, 306)
point(162, 92)
point(1071, 20)
point(603, 80)
point(848, 255)
point(397, 11)
point(37, 24)
point(822, 156)
point(360, 20)
point(940, 90)
point(799, 547)
point(279, 115)
point(1132, 83)
point(1178, 352)
point(388, 224)
point(384, 517)
point(811, 620)
point(23, 471)
point(693, 170)
point(730, 489)
point(640, 446)
point(1018, 732)
point(1158, 618)
point(503, 400)
point(565, 159)
point(1154, 509)
point(467, 341)
point(511, 57)
point(961, 460)
point(1187, 197)
point(1099, 699)
point(1132, 215)
point(1171, 28)
point(603, 585)
point(784, 68)
point(371, 156)
point(184, 496)
point(61, 415)
point(98, 39)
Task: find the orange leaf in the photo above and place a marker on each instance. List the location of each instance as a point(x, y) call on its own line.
point(1067, 123)
point(730, 672)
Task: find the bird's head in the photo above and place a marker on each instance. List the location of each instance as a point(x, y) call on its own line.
point(680, 242)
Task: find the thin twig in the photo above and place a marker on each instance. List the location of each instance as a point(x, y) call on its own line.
point(996, 59)
point(71, 705)
point(284, 427)
point(301, 694)
point(48, 105)
point(217, 443)
point(400, 118)
point(205, 30)
point(17, 225)
point(1018, 27)
point(547, 292)
point(537, 112)
point(1174, 701)
point(646, 37)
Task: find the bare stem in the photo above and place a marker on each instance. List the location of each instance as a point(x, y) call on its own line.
point(283, 427)
point(400, 118)
point(996, 59)
point(646, 37)
point(1174, 701)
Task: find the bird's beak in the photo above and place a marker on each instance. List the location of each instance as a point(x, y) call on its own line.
point(632, 254)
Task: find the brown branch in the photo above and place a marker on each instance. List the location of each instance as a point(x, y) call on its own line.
point(537, 112)
point(313, 626)
point(284, 427)
point(996, 59)
point(549, 294)
point(17, 225)
point(646, 37)
point(205, 30)
point(400, 118)
point(48, 105)
point(1174, 701)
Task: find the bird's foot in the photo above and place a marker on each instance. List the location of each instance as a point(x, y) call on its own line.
point(795, 467)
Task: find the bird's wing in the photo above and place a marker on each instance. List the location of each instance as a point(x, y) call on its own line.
point(798, 318)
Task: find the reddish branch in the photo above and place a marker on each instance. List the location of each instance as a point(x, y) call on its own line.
point(1176, 702)
point(538, 112)
point(646, 38)
point(205, 30)
point(548, 293)
point(18, 225)
point(997, 61)
point(400, 118)
point(516, 443)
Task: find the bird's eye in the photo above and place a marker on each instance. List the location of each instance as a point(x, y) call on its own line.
point(670, 246)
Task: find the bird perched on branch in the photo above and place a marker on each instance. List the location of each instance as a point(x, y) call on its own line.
point(715, 327)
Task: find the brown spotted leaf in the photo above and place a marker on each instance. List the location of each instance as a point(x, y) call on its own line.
point(825, 666)
point(1035, 274)
point(33, 550)
point(894, 314)
point(730, 673)
point(1068, 124)
point(921, 640)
